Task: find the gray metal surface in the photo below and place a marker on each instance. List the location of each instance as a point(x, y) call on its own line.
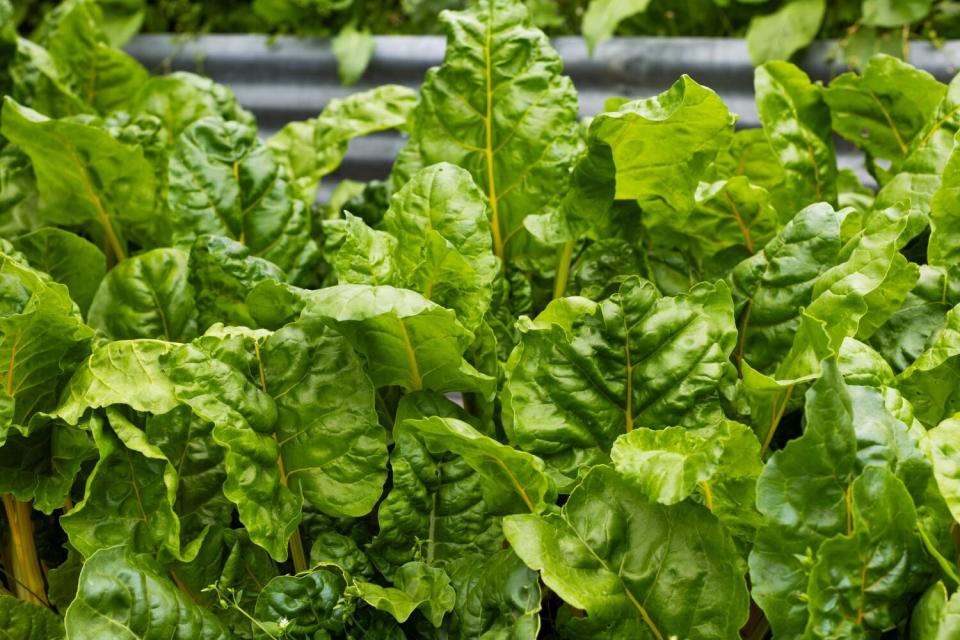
point(283, 79)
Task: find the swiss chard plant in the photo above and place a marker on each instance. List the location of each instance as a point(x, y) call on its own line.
point(645, 375)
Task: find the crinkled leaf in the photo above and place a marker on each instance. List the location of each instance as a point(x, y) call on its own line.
point(499, 107)
point(622, 559)
point(417, 586)
point(931, 382)
point(309, 602)
point(125, 596)
point(147, 296)
point(634, 360)
point(797, 123)
point(21, 620)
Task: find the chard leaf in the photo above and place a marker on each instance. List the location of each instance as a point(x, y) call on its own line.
point(435, 510)
point(147, 296)
point(129, 496)
point(68, 259)
point(115, 584)
point(931, 147)
point(862, 581)
point(42, 339)
point(602, 17)
point(885, 13)
point(224, 181)
point(309, 602)
point(180, 98)
point(21, 620)
point(417, 586)
point(406, 339)
point(661, 146)
point(797, 123)
point(883, 109)
point(499, 108)
point(778, 35)
point(802, 494)
point(122, 372)
point(771, 288)
point(636, 359)
point(311, 149)
point(511, 481)
point(441, 222)
point(222, 273)
point(931, 382)
point(84, 175)
point(941, 444)
point(943, 248)
point(596, 554)
point(936, 617)
point(497, 596)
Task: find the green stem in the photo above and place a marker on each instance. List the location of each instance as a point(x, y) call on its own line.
point(296, 552)
point(563, 270)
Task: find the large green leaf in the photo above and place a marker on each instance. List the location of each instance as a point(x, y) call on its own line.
point(499, 108)
point(771, 288)
point(67, 258)
point(123, 372)
point(941, 444)
point(307, 602)
point(884, 108)
point(936, 617)
point(129, 495)
point(313, 148)
point(944, 245)
point(778, 35)
point(797, 122)
point(931, 382)
point(636, 359)
point(42, 339)
point(222, 273)
point(406, 339)
point(623, 560)
point(862, 581)
point(147, 296)
point(224, 181)
point(803, 495)
point(84, 175)
point(435, 509)
point(21, 620)
point(417, 586)
point(661, 146)
point(511, 481)
point(125, 596)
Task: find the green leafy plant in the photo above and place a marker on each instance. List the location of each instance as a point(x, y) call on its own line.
point(645, 376)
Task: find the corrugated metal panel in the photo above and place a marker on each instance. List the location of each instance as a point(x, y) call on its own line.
point(283, 79)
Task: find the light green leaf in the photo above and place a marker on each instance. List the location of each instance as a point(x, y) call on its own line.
point(352, 49)
point(797, 123)
point(941, 444)
point(67, 258)
point(884, 108)
point(310, 149)
point(622, 559)
point(771, 288)
point(803, 495)
point(418, 586)
point(123, 372)
point(84, 175)
point(894, 13)
point(779, 35)
point(931, 382)
point(602, 17)
point(115, 584)
point(147, 296)
point(944, 246)
point(662, 145)
point(499, 108)
point(406, 339)
point(366, 256)
point(936, 617)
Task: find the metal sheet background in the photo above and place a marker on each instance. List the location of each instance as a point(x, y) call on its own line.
point(285, 78)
